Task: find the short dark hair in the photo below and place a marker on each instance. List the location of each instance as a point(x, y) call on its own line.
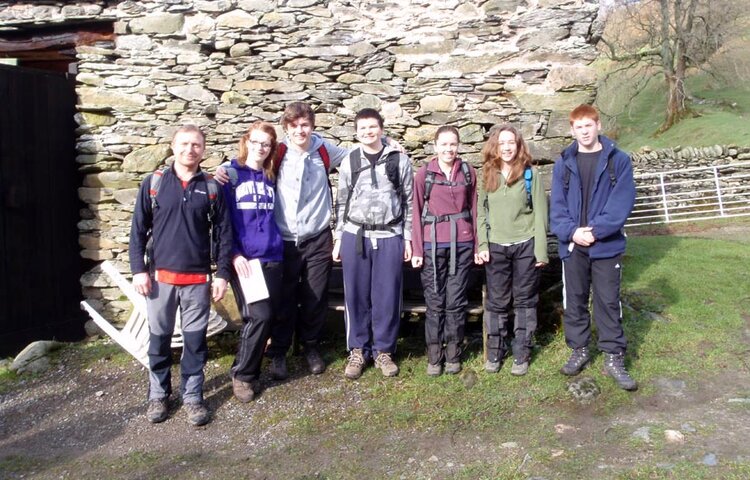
point(449, 129)
point(368, 113)
point(296, 110)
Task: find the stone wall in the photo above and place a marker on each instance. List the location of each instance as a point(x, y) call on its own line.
point(222, 64)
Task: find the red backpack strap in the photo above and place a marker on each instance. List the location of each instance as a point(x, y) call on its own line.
point(280, 152)
point(325, 157)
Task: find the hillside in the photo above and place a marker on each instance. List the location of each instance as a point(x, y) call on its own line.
point(720, 100)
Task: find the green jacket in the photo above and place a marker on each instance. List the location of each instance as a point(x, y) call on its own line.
point(503, 216)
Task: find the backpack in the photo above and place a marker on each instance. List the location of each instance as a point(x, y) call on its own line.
point(213, 193)
point(429, 182)
point(392, 172)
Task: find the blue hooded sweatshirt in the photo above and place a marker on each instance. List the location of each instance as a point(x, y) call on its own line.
point(610, 204)
point(251, 203)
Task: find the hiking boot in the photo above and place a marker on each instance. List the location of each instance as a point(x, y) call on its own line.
point(243, 391)
point(314, 361)
point(520, 367)
point(278, 368)
point(452, 368)
point(354, 364)
point(434, 369)
point(578, 360)
point(197, 414)
point(614, 366)
point(491, 366)
point(385, 363)
point(157, 410)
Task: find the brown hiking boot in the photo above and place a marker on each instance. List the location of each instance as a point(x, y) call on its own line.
point(157, 410)
point(197, 414)
point(243, 391)
point(385, 363)
point(354, 364)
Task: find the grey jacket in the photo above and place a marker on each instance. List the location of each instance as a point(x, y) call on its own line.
point(303, 199)
point(375, 204)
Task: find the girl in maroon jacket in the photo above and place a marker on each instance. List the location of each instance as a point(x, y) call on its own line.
point(444, 245)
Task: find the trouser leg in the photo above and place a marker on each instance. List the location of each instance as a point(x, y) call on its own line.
point(357, 273)
point(606, 275)
point(161, 307)
point(576, 286)
point(499, 277)
point(433, 282)
point(282, 329)
point(314, 288)
point(257, 318)
point(456, 303)
point(525, 299)
point(195, 307)
point(386, 291)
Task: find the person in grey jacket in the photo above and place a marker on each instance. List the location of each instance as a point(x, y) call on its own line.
point(373, 239)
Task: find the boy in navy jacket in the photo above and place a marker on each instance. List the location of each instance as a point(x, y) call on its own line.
point(593, 193)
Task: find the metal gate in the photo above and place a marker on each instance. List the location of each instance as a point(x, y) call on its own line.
point(40, 264)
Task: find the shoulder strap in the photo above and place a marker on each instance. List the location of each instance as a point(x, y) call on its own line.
point(392, 170)
point(527, 174)
point(280, 152)
point(325, 157)
point(611, 170)
point(154, 185)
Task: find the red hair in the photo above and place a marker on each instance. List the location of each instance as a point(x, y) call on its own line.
point(268, 129)
point(583, 111)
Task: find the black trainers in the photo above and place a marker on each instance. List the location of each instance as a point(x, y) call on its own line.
point(278, 367)
point(197, 414)
point(614, 366)
point(157, 410)
point(578, 360)
point(314, 361)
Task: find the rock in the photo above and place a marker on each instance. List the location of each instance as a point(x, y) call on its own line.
point(564, 77)
point(235, 98)
point(159, 23)
point(561, 428)
point(710, 460)
point(236, 19)
point(239, 50)
point(688, 428)
point(674, 436)
point(509, 445)
point(359, 102)
point(670, 386)
point(257, 5)
point(104, 99)
point(146, 159)
point(739, 400)
point(468, 378)
point(584, 389)
point(95, 119)
point(33, 358)
point(192, 93)
point(438, 103)
point(642, 433)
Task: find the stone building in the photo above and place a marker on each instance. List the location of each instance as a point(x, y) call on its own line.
point(142, 67)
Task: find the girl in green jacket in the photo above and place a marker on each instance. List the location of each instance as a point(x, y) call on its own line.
point(512, 235)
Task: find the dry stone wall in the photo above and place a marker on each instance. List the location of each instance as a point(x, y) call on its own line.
point(222, 64)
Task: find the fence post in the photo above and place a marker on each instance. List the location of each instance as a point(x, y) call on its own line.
point(664, 198)
point(718, 190)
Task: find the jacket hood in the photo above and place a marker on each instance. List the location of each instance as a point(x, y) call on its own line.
point(315, 142)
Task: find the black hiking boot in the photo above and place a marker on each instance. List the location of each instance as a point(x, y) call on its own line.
point(578, 360)
point(614, 366)
point(278, 368)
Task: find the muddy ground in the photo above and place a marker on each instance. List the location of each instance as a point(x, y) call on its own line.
point(84, 418)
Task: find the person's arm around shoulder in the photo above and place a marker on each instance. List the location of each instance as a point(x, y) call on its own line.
point(539, 202)
point(621, 199)
point(140, 225)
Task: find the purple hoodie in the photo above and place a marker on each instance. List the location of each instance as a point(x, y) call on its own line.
point(251, 203)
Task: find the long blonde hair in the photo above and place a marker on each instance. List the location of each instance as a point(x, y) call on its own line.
point(268, 129)
point(492, 163)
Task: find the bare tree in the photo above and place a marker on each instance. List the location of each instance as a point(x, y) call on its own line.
point(671, 38)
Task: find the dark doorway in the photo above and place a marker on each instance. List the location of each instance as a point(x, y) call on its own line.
point(39, 209)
